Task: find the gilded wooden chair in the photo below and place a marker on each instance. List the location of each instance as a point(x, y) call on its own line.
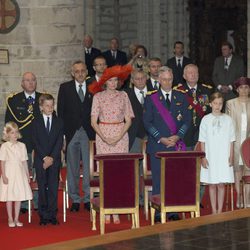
point(180, 184)
point(147, 177)
point(119, 187)
point(245, 180)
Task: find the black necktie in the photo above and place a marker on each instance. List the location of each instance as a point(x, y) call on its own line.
point(179, 64)
point(30, 100)
point(226, 64)
point(167, 100)
point(80, 93)
point(48, 125)
point(193, 90)
point(156, 85)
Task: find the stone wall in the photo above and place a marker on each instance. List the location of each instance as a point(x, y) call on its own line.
point(155, 24)
point(46, 41)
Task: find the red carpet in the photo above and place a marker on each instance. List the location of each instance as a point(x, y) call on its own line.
point(78, 225)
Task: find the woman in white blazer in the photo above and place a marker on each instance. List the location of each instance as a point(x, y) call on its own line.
point(239, 109)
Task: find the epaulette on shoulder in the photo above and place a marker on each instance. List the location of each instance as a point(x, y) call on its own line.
point(179, 89)
point(151, 92)
point(207, 86)
point(88, 77)
point(11, 95)
point(178, 86)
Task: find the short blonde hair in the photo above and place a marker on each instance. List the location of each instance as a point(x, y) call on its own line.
point(9, 126)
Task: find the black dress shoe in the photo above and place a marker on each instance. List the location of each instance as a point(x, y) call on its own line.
point(87, 206)
point(23, 210)
point(54, 221)
point(174, 217)
point(42, 222)
point(75, 207)
point(158, 218)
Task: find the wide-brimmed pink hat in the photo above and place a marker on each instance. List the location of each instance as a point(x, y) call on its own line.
point(242, 81)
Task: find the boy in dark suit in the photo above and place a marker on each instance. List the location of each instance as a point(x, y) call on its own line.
point(47, 135)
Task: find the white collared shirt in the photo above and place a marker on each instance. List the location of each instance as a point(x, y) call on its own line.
point(153, 82)
point(33, 95)
point(83, 87)
point(169, 94)
point(138, 93)
point(177, 60)
point(45, 118)
point(195, 87)
point(229, 59)
point(97, 78)
point(88, 50)
point(114, 53)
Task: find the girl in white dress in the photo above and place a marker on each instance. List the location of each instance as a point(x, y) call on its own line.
point(217, 136)
point(14, 181)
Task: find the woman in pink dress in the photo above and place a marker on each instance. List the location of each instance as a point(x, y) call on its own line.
point(111, 115)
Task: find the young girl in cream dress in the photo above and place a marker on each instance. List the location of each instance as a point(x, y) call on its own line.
point(14, 181)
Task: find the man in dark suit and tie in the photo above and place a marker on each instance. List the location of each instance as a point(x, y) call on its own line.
point(178, 62)
point(23, 108)
point(115, 56)
point(136, 132)
point(74, 107)
point(227, 69)
point(47, 135)
point(154, 65)
point(163, 109)
point(90, 53)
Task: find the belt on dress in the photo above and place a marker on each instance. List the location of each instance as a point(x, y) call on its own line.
point(110, 123)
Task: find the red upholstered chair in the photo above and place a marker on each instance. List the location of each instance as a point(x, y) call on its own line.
point(180, 184)
point(147, 177)
point(245, 154)
point(119, 187)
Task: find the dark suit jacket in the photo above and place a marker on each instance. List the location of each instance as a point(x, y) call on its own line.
point(17, 111)
point(178, 73)
point(222, 76)
point(121, 58)
point(73, 112)
point(89, 59)
point(149, 85)
point(155, 125)
point(203, 93)
point(227, 77)
point(137, 127)
point(47, 144)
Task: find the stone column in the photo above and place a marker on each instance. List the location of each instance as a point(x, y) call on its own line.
point(46, 41)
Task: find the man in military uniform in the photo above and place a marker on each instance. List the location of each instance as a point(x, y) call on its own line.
point(162, 109)
point(197, 96)
point(22, 108)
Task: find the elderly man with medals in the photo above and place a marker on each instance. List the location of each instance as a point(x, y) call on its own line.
point(197, 96)
point(166, 119)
